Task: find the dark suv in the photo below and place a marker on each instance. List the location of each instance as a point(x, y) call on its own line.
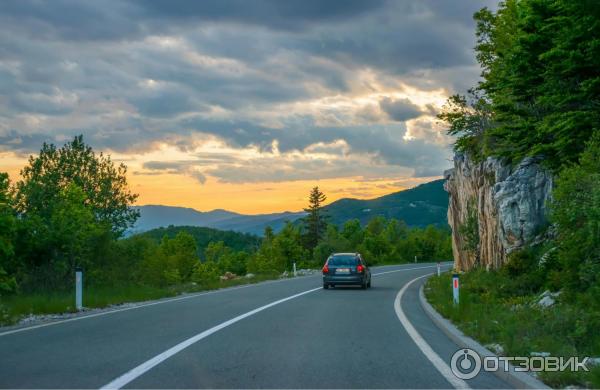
point(346, 269)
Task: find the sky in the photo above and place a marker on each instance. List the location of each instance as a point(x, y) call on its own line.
point(235, 104)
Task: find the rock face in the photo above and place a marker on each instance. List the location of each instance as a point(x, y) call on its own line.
point(508, 204)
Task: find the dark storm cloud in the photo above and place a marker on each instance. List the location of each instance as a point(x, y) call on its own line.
point(285, 15)
point(115, 20)
point(129, 73)
point(71, 19)
point(400, 109)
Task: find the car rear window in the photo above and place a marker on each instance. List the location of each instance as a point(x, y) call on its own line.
point(343, 260)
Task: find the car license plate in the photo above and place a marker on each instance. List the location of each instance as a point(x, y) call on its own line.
point(342, 271)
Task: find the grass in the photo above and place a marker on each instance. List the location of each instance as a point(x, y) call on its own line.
point(493, 309)
point(15, 307)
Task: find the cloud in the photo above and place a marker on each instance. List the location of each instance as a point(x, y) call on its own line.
point(400, 110)
point(315, 89)
point(187, 168)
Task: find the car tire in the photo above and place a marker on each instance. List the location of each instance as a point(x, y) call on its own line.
point(364, 286)
point(369, 284)
point(325, 286)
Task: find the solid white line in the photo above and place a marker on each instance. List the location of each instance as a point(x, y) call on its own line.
point(148, 365)
point(83, 317)
point(159, 302)
point(403, 269)
point(433, 357)
point(136, 372)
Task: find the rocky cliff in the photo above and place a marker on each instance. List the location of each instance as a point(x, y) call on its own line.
point(494, 208)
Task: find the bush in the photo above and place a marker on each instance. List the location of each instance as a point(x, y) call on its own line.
point(172, 263)
point(205, 273)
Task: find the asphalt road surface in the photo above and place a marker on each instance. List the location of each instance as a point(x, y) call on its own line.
point(280, 334)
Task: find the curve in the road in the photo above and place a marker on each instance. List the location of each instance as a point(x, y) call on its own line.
point(136, 372)
point(433, 357)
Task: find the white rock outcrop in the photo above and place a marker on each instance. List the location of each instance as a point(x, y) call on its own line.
point(510, 204)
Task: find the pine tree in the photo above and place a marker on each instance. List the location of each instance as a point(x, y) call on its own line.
point(315, 222)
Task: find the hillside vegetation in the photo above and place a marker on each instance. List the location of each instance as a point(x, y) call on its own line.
point(425, 204)
point(540, 96)
point(204, 236)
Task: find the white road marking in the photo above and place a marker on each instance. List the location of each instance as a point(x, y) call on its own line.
point(403, 269)
point(83, 317)
point(148, 365)
point(136, 372)
point(141, 305)
point(433, 357)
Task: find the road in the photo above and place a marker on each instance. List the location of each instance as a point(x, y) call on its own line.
point(279, 334)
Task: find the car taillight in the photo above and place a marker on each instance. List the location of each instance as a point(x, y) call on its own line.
point(360, 268)
point(325, 269)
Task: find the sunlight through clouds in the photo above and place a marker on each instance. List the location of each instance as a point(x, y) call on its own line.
point(214, 97)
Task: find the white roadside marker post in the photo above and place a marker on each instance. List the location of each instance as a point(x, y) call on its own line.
point(438, 269)
point(78, 289)
point(455, 287)
point(415, 258)
point(295, 274)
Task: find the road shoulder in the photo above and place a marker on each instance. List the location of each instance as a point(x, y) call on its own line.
point(517, 379)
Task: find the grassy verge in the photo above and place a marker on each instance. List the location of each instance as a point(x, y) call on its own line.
point(492, 311)
point(15, 307)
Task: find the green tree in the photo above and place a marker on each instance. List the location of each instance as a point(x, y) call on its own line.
point(468, 119)
point(278, 252)
point(7, 235)
point(353, 232)
point(215, 251)
point(75, 234)
point(263, 261)
point(173, 262)
point(55, 169)
point(121, 261)
point(287, 248)
point(315, 222)
point(539, 95)
point(375, 247)
point(332, 242)
point(226, 259)
point(69, 236)
point(576, 213)
point(206, 273)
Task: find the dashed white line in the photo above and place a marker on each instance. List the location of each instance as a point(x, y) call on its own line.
point(433, 357)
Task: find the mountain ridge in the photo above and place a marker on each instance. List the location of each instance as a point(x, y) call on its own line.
point(419, 206)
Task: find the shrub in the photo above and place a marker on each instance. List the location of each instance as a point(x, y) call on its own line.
point(206, 272)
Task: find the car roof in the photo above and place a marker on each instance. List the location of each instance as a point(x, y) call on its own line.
point(345, 254)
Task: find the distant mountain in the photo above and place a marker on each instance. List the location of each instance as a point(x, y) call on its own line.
point(154, 216)
point(419, 206)
point(426, 204)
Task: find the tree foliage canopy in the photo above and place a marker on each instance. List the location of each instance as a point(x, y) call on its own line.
point(315, 222)
point(55, 169)
point(540, 93)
